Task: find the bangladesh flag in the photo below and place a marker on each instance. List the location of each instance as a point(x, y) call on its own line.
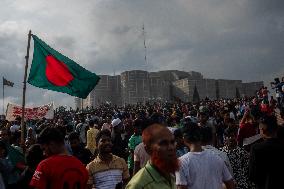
point(54, 71)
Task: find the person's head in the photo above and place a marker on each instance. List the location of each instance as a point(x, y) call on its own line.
point(91, 123)
point(192, 135)
point(206, 135)
point(103, 140)
point(203, 117)
point(3, 150)
point(74, 140)
point(160, 145)
point(179, 138)
point(51, 141)
point(138, 125)
point(117, 125)
point(230, 136)
point(34, 155)
point(268, 126)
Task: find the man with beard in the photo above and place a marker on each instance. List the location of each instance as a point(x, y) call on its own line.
point(58, 170)
point(201, 169)
point(118, 147)
point(107, 170)
point(158, 172)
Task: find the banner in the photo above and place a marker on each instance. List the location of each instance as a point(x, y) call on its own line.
point(14, 111)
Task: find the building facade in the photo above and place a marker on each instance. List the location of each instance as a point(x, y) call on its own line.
point(138, 86)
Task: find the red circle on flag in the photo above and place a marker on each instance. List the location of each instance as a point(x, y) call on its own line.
point(57, 72)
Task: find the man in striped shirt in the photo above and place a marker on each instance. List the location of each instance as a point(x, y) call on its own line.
point(107, 171)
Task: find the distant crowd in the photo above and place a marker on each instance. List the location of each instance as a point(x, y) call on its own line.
point(212, 144)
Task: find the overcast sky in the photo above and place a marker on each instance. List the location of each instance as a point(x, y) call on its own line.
point(230, 39)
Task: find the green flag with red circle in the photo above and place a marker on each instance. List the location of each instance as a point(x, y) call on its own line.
point(54, 71)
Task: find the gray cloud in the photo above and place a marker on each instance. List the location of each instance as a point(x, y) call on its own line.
point(237, 39)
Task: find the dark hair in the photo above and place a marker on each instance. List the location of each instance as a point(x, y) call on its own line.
point(102, 133)
point(93, 122)
point(270, 122)
point(34, 155)
point(178, 133)
point(50, 134)
point(206, 135)
point(73, 136)
point(191, 132)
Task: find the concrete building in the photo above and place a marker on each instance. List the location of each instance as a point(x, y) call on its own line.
point(228, 88)
point(138, 86)
point(135, 87)
point(108, 90)
point(159, 87)
point(249, 89)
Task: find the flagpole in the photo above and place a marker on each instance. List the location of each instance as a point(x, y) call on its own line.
point(24, 90)
point(3, 97)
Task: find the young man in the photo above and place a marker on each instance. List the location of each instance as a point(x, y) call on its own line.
point(181, 149)
point(118, 147)
point(207, 140)
point(82, 128)
point(78, 149)
point(59, 170)
point(201, 169)
point(266, 158)
point(107, 170)
point(160, 144)
point(91, 136)
point(238, 157)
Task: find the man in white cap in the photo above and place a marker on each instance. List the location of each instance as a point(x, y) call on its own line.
point(118, 148)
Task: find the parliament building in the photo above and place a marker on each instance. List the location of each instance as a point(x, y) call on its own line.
point(138, 86)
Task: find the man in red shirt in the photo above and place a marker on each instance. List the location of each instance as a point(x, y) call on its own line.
point(59, 170)
point(247, 128)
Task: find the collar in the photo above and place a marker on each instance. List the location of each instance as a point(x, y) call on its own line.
point(157, 177)
point(98, 159)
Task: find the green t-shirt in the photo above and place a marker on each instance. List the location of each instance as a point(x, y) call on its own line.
point(148, 178)
point(133, 142)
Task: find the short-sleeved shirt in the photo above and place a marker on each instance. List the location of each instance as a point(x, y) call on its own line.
point(58, 171)
point(221, 154)
point(107, 176)
point(199, 170)
point(239, 159)
point(148, 177)
point(140, 155)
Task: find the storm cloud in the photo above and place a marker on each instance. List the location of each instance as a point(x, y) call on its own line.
point(237, 39)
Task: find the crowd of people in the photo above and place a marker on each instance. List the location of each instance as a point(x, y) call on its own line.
point(212, 144)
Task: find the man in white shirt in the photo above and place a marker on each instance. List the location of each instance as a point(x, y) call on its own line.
point(201, 169)
point(206, 142)
point(15, 127)
point(82, 128)
point(140, 157)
